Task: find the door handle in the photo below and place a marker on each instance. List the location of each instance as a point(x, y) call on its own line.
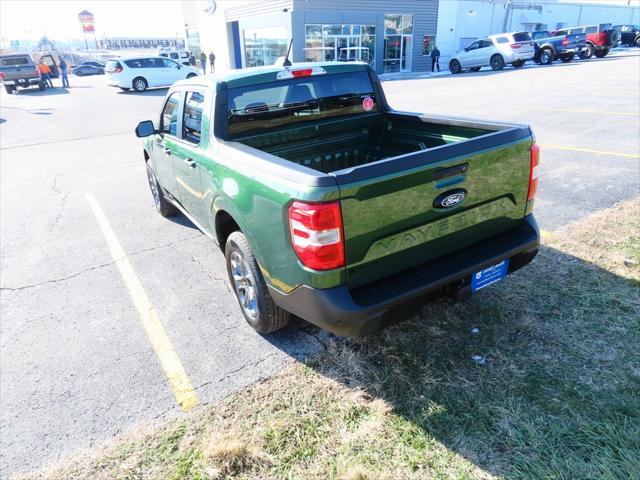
point(191, 162)
point(167, 151)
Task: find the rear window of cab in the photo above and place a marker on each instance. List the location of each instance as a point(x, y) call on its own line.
point(287, 103)
point(15, 61)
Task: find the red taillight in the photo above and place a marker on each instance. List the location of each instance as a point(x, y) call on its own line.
point(533, 172)
point(516, 45)
point(316, 234)
point(565, 41)
point(305, 72)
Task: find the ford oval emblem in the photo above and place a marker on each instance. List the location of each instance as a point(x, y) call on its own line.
point(450, 199)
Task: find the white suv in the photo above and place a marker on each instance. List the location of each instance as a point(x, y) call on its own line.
point(495, 51)
point(141, 73)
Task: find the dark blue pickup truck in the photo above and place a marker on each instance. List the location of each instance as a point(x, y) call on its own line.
point(550, 46)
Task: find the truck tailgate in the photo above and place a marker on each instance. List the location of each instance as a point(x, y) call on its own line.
point(392, 221)
point(19, 72)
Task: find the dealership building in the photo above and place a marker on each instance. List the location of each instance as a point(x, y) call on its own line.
point(392, 36)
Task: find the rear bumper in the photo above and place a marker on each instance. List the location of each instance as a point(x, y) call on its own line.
point(370, 307)
point(23, 82)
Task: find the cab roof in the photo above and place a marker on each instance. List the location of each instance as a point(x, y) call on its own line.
point(257, 75)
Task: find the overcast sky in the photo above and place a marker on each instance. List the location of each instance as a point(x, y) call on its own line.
point(28, 19)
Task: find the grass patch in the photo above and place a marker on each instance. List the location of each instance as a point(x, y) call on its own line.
point(558, 396)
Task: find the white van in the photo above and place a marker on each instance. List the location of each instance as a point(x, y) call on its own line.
point(180, 56)
point(141, 73)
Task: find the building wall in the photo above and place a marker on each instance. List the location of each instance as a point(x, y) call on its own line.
point(462, 21)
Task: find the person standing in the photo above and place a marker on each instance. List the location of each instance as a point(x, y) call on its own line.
point(435, 58)
point(45, 73)
point(63, 73)
point(192, 59)
point(203, 62)
point(212, 61)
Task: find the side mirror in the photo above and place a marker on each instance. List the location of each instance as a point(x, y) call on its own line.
point(145, 129)
point(466, 49)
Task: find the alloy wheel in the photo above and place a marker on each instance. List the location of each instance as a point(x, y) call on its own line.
point(245, 284)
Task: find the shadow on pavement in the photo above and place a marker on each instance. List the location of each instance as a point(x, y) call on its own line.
point(43, 93)
point(155, 92)
point(557, 396)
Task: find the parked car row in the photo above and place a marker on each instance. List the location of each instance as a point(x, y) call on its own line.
point(544, 47)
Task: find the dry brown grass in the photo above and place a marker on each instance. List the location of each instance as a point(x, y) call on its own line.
point(559, 396)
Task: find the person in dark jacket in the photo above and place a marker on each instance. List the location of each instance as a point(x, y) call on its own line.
point(212, 61)
point(435, 58)
point(203, 62)
point(192, 59)
point(63, 73)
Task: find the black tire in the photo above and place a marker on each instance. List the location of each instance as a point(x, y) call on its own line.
point(163, 207)
point(567, 57)
point(191, 75)
point(587, 52)
point(602, 53)
point(496, 62)
point(139, 84)
point(125, 89)
point(41, 86)
point(546, 56)
point(255, 302)
point(518, 64)
point(455, 67)
point(637, 42)
point(475, 69)
point(10, 89)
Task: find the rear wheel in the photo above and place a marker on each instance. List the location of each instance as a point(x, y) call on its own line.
point(41, 86)
point(602, 53)
point(475, 69)
point(546, 56)
point(139, 84)
point(250, 288)
point(496, 62)
point(587, 52)
point(191, 75)
point(518, 64)
point(10, 89)
point(163, 207)
point(567, 57)
point(455, 67)
point(637, 42)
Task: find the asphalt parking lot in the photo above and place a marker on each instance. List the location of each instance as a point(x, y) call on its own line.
point(76, 363)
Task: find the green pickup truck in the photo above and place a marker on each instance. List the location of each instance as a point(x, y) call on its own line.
point(330, 205)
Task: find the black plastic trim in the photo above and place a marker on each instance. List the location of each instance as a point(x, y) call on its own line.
point(367, 308)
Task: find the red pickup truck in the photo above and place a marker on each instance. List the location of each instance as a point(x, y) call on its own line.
point(600, 39)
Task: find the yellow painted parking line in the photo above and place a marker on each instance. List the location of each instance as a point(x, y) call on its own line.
point(588, 150)
point(570, 110)
point(166, 353)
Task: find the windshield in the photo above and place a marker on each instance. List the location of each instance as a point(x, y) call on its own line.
point(288, 103)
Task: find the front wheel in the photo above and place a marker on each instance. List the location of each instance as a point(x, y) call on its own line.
point(496, 62)
point(250, 288)
point(140, 84)
point(163, 207)
point(518, 64)
point(637, 42)
point(602, 53)
point(455, 67)
point(587, 52)
point(566, 58)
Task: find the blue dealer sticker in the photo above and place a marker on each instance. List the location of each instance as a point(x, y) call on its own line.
point(489, 275)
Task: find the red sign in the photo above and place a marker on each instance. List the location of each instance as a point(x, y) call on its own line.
point(88, 28)
point(85, 17)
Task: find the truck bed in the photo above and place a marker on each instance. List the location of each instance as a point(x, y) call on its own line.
point(341, 144)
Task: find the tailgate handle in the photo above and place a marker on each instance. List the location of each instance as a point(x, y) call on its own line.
point(449, 172)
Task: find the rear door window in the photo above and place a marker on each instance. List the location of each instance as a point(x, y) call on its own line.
point(192, 117)
point(289, 103)
point(592, 29)
point(169, 117)
point(502, 40)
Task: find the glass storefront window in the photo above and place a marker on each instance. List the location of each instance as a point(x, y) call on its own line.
point(345, 43)
point(263, 46)
point(398, 41)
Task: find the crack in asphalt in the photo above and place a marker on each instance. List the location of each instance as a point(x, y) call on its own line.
point(65, 141)
point(204, 270)
point(95, 267)
point(64, 196)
